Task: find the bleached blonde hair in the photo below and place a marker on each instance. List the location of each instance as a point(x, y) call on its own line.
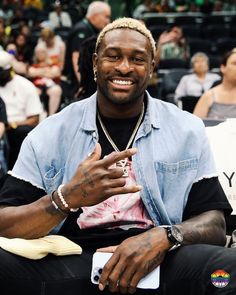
point(127, 23)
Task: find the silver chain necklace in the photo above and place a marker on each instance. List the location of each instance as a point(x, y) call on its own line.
point(122, 163)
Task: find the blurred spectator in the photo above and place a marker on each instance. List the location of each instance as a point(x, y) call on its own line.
point(6, 11)
point(146, 6)
point(58, 17)
point(218, 6)
point(54, 45)
point(4, 38)
point(26, 31)
point(46, 77)
point(199, 81)
point(164, 6)
point(207, 6)
point(220, 101)
point(172, 44)
point(22, 102)
point(18, 18)
point(3, 152)
point(98, 15)
point(181, 5)
point(229, 5)
point(38, 4)
point(87, 84)
point(18, 66)
point(24, 50)
point(22, 54)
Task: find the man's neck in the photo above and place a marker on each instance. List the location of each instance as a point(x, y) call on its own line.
point(120, 111)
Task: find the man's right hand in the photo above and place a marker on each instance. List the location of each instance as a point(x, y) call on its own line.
point(94, 180)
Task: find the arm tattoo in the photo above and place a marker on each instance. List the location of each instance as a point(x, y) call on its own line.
point(51, 210)
point(208, 227)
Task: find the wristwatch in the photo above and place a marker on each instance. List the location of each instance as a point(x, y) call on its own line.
point(174, 235)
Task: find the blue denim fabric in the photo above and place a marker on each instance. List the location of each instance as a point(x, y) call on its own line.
point(173, 153)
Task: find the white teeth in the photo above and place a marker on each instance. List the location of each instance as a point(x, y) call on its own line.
point(122, 82)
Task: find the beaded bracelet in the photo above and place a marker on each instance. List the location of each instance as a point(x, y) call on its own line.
point(56, 206)
point(62, 199)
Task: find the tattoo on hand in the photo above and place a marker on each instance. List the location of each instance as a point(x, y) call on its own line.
point(88, 179)
point(151, 264)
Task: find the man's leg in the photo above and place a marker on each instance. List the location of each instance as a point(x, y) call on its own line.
point(188, 270)
point(64, 275)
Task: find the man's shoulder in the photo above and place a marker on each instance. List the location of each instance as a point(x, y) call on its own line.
point(80, 27)
point(68, 119)
point(23, 81)
point(170, 114)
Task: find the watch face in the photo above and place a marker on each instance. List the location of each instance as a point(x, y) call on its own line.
point(177, 234)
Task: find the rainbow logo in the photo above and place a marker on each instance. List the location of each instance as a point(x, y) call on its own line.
point(220, 278)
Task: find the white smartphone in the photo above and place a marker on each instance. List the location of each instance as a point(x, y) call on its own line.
point(150, 281)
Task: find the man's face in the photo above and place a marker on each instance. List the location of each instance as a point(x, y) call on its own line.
point(100, 20)
point(124, 64)
point(200, 65)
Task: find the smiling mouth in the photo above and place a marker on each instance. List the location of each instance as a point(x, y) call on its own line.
point(122, 83)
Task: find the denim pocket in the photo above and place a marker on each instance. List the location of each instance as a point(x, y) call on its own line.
point(53, 178)
point(175, 178)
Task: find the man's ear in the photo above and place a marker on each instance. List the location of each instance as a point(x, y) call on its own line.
point(153, 65)
point(95, 60)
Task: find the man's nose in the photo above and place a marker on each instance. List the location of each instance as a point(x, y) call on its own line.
point(124, 66)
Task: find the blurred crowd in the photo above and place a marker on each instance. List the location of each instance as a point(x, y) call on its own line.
point(46, 52)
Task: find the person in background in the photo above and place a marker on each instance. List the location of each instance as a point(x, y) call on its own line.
point(172, 44)
point(54, 46)
point(118, 172)
point(3, 143)
point(22, 102)
point(24, 51)
point(97, 16)
point(145, 6)
point(199, 81)
point(4, 38)
point(46, 77)
point(87, 83)
point(220, 101)
point(59, 18)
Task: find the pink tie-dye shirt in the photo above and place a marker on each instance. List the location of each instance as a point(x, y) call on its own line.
point(120, 211)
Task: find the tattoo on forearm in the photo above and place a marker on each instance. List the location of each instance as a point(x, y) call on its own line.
point(51, 210)
point(204, 228)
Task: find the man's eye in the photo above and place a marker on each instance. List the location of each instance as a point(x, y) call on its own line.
point(138, 59)
point(113, 57)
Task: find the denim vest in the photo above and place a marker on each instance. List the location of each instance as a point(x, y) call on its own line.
point(173, 153)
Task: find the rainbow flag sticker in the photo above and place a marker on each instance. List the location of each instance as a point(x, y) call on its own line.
point(220, 278)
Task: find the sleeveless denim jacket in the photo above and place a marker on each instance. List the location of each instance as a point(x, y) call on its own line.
point(173, 153)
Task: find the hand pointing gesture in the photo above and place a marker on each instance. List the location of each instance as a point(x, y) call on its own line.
point(94, 181)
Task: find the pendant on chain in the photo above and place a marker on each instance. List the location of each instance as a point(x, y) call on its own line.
point(124, 164)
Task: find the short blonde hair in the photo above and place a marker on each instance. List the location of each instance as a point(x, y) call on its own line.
point(127, 23)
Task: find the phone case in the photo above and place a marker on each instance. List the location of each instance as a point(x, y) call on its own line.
point(150, 281)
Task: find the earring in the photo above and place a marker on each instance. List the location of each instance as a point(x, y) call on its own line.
point(95, 75)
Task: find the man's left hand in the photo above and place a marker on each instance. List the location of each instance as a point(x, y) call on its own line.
point(133, 259)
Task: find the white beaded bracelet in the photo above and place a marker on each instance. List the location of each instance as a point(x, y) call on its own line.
point(62, 199)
